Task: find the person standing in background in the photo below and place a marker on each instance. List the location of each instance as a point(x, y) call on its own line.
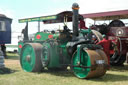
point(3, 48)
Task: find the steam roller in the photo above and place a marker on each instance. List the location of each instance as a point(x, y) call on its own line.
point(59, 50)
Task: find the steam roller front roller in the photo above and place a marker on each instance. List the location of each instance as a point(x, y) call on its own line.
point(30, 57)
point(92, 63)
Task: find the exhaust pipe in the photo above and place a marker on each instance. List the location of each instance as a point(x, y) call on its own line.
point(75, 9)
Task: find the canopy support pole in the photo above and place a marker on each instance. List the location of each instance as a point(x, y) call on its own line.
point(38, 26)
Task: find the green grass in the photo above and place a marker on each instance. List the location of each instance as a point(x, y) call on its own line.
point(13, 56)
point(12, 46)
point(115, 76)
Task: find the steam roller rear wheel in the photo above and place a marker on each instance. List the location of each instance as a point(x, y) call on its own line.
point(30, 57)
point(88, 59)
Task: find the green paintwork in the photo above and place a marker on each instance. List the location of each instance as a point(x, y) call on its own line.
point(51, 53)
point(55, 55)
point(27, 58)
point(83, 31)
point(86, 32)
point(65, 57)
point(44, 36)
point(85, 61)
point(56, 36)
point(45, 54)
point(78, 52)
point(37, 19)
point(20, 43)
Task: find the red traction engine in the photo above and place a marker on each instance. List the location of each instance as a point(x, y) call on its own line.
point(117, 32)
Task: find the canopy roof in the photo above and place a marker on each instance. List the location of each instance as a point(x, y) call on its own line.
point(58, 18)
point(110, 15)
point(3, 16)
point(61, 17)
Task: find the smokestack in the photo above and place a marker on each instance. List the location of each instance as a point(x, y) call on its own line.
point(75, 9)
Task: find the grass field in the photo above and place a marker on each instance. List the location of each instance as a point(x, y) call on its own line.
point(115, 76)
point(12, 46)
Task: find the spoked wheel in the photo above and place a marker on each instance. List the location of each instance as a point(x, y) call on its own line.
point(30, 57)
point(97, 35)
point(118, 60)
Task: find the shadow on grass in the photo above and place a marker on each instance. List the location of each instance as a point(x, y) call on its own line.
point(106, 78)
point(6, 71)
point(111, 78)
point(119, 68)
point(13, 56)
point(67, 73)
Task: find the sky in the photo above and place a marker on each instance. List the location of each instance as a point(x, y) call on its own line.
point(19, 9)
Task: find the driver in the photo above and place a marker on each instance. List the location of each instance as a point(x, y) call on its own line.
point(82, 23)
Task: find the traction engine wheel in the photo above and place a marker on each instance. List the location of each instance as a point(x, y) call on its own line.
point(30, 57)
point(98, 36)
point(118, 59)
point(115, 59)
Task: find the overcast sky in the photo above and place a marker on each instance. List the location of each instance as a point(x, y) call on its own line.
point(18, 9)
